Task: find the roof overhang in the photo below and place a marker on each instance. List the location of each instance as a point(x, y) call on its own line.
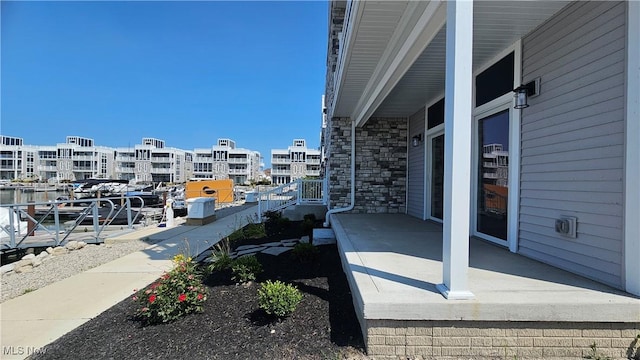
point(392, 56)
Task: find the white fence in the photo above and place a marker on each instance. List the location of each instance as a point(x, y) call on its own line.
point(299, 192)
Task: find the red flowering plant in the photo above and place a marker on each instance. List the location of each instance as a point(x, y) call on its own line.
point(177, 293)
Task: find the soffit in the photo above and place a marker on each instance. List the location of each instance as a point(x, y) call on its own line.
point(374, 30)
point(497, 25)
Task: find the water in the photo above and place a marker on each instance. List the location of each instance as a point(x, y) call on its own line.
point(12, 196)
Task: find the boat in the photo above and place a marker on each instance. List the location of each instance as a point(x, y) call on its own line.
point(6, 223)
point(89, 188)
point(115, 190)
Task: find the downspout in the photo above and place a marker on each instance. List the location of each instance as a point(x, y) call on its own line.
point(327, 221)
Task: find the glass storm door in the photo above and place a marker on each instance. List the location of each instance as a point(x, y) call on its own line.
point(437, 176)
point(493, 175)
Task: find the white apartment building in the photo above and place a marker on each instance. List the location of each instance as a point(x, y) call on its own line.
point(225, 161)
point(11, 157)
point(297, 161)
point(77, 158)
point(151, 161)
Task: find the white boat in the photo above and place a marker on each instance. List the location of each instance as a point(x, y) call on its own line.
point(5, 223)
point(90, 188)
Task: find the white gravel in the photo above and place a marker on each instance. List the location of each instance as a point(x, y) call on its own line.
point(57, 268)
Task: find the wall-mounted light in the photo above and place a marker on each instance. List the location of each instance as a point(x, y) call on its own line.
point(523, 92)
point(416, 140)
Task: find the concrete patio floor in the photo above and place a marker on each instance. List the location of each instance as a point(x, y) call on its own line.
point(393, 263)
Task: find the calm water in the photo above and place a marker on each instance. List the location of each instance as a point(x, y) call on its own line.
point(19, 197)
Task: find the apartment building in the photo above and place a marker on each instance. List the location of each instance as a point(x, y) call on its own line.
point(297, 161)
point(77, 158)
point(11, 157)
point(152, 161)
point(225, 161)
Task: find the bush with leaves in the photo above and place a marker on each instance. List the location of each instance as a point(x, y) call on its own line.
point(275, 223)
point(278, 299)
point(305, 252)
point(272, 215)
point(177, 293)
point(254, 231)
point(245, 268)
point(307, 228)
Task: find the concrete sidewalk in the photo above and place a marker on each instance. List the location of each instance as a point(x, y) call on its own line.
point(33, 320)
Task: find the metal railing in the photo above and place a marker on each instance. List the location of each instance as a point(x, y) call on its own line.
point(298, 192)
point(15, 234)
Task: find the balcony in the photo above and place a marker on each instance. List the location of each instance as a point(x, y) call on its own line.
point(280, 172)
point(160, 159)
point(280, 161)
point(238, 161)
point(120, 169)
point(125, 158)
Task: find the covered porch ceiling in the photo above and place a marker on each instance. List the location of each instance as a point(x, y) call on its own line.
point(497, 25)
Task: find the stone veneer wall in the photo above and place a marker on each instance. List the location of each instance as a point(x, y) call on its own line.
point(381, 165)
point(394, 339)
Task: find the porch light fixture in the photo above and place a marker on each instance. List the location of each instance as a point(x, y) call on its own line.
point(416, 140)
point(523, 92)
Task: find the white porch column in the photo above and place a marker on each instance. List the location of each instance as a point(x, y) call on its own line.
point(632, 162)
point(457, 151)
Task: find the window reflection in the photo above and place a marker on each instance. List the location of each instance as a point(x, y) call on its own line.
point(493, 175)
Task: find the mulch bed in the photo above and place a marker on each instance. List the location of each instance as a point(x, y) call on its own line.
point(324, 325)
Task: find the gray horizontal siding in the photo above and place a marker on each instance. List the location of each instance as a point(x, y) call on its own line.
point(572, 141)
point(415, 193)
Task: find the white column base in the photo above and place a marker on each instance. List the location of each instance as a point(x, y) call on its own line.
point(454, 295)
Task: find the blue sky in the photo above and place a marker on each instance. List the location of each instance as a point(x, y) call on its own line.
point(185, 72)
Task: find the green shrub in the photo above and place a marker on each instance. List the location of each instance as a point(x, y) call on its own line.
point(307, 228)
point(271, 222)
point(220, 258)
point(310, 216)
point(236, 236)
point(272, 215)
point(279, 299)
point(245, 268)
point(305, 251)
point(254, 231)
point(283, 222)
point(177, 293)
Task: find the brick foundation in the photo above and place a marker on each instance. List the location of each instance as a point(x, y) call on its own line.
point(393, 339)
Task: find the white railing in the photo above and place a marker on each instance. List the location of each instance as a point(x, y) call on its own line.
point(298, 192)
point(311, 191)
point(280, 172)
point(280, 160)
point(23, 220)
